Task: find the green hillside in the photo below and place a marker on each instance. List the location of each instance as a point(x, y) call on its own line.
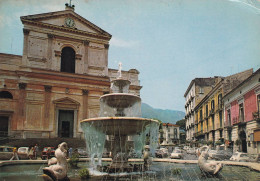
point(166, 116)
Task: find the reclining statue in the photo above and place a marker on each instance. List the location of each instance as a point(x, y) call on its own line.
point(58, 167)
point(210, 167)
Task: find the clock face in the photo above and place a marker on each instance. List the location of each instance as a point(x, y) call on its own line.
point(69, 22)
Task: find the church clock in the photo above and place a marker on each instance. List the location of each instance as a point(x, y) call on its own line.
point(69, 22)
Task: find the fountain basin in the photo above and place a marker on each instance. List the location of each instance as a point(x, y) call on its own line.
point(119, 125)
point(120, 100)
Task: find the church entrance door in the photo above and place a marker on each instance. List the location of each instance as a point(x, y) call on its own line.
point(66, 122)
point(4, 126)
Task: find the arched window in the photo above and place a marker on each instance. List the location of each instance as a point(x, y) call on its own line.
point(6, 95)
point(67, 60)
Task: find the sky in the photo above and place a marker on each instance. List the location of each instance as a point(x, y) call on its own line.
point(170, 42)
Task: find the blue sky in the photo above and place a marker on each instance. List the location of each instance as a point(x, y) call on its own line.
point(169, 41)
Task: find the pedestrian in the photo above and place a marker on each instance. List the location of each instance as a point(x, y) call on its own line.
point(15, 155)
point(31, 152)
point(36, 149)
point(70, 152)
point(48, 153)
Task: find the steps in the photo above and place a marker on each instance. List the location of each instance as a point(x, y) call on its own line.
point(44, 142)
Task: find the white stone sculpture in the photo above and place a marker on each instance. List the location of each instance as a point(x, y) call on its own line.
point(210, 167)
point(58, 167)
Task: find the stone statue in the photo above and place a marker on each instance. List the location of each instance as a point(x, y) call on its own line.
point(58, 171)
point(146, 157)
point(210, 167)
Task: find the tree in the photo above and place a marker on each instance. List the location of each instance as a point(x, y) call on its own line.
point(181, 123)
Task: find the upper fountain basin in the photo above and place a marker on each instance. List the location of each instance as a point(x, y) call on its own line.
point(119, 100)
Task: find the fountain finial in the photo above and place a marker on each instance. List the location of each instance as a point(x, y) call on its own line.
point(119, 70)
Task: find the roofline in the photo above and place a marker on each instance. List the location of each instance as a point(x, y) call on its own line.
point(242, 83)
point(76, 14)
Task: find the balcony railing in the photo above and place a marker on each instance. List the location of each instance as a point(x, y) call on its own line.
point(199, 133)
point(227, 124)
point(238, 120)
point(201, 119)
point(256, 116)
point(218, 126)
point(211, 112)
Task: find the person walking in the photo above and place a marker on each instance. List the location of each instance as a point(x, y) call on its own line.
point(70, 152)
point(15, 155)
point(31, 152)
point(36, 149)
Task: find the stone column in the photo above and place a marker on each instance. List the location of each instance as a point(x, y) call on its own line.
point(21, 108)
point(49, 50)
point(106, 58)
point(85, 103)
point(47, 103)
point(86, 56)
point(25, 46)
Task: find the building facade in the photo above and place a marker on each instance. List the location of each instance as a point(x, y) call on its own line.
point(58, 80)
point(242, 108)
point(170, 134)
point(209, 112)
point(197, 89)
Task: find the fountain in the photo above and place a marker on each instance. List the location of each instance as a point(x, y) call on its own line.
point(119, 122)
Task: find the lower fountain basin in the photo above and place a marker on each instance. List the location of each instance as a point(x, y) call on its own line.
point(159, 171)
point(119, 125)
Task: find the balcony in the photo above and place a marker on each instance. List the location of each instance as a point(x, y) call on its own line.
point(256, 116)
point(238, 120)
point(199, 133)
point(201, 119)
point(219, 107)
point(219, 126)
point(227, 124)
point(211, 112)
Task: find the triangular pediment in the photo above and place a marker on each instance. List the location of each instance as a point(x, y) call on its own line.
point(66, 101)
point(57, 19)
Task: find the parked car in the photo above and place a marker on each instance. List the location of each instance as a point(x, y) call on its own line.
point(82, 152)
point(240, 157)
point(44, 152)
point(191, 150)
point(220, 154)
point(23, 152)
point(186, 148)
point(6, 152)
point(176, 154)
point(161, 153)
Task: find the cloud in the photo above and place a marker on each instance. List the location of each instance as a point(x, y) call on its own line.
point(123, 43)
point(254, 4)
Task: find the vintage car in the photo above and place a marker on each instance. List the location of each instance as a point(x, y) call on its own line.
point(176, 154)
point(44, 152)
point(6, 152)
point(161, 153)
point(240, 157)
point(191, 150)
point(23, 152)
point(220, 154)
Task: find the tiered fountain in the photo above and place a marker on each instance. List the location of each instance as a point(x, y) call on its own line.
point(119, 120)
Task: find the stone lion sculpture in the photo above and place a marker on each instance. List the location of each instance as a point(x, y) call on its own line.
point(210, 167)
point(58, 167)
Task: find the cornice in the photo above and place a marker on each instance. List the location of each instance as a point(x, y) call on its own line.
point(66, 29)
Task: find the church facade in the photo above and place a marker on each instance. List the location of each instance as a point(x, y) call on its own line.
point(58, 80)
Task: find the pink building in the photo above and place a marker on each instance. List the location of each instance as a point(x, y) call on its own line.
point(242, 109)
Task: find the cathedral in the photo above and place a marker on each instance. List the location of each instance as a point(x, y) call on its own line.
point(58, 80)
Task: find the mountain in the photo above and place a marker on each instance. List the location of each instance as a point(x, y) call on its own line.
point(166, 116)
